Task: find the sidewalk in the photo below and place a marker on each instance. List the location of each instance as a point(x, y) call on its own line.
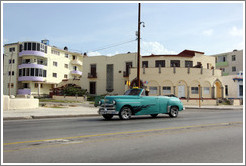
point(78, 111)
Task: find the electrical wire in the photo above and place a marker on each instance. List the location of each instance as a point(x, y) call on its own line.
point(113, 45)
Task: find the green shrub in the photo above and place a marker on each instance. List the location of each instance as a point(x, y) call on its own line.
point(74, 91)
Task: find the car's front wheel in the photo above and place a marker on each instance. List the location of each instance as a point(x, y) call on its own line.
point(108, 116)
point(125, 113)
point(174, 112)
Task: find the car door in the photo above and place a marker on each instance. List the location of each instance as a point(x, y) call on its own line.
point(149, 105)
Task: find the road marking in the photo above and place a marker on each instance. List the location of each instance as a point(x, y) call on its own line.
point(125, 132)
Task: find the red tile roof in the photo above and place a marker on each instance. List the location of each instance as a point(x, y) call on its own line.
point(185, 53)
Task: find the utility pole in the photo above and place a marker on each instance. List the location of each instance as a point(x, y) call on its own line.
point(138, 66)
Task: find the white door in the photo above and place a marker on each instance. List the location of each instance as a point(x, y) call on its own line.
point(181, 91)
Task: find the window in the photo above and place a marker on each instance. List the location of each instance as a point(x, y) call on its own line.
point(41, 85)
point(12, 49)
point(12, 85)
point(29, 46)
point(40, 72)
point(27, 72)
point(13, 61)
point(20, 72)
point(25, 46)
point(175, 63)
point(36, 85)
point(32, 71)
point(74, 57)
point(38, 46)
point(152, 90)
point(9, 73)
point(66, 65)
point(93, 69)
point(226, 90)
point(145, 64)
point(65, 75)
point(54, 63)
point(240, 90)
point(44, 73)
point(20, 48)
point(166, 89)
point(55, 75)
point(160, 63)
point(234, 68)
point(34, 46)
point(206, 90)
point(24, 72)
point(66, 55)
point(55, 52)
point(36, 72)
point(194, 90)
point(233, 58)
point(188, 63)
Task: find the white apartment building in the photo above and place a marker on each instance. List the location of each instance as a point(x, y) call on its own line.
point(35, 68)
point(231, 64)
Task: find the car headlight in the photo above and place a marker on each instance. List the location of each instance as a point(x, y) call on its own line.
point(114, 102)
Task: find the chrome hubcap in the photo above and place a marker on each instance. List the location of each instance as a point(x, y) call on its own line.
point(174, 111)
point(126, 113)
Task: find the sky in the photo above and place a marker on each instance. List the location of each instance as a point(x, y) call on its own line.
point(110, 28)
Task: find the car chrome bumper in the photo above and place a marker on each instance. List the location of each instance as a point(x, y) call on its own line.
point(105, 110)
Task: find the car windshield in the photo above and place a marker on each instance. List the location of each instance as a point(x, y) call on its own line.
point(133, 92)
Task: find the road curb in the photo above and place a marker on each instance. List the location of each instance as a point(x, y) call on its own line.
point(214, 108)
point(48, 116)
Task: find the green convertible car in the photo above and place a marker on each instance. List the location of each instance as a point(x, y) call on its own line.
point(135, 102)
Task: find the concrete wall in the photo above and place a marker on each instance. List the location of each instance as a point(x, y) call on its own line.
point(69, 98)
point(196, 102)
point(19, 103)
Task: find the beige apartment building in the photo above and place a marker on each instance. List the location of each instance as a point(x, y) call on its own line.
point(231, 64)
point(184, 75)
point(35, 68)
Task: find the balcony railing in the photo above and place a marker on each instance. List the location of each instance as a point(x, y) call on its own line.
point(92, 75)
point(25, 91)
point(222, 64)
point(35, 53)
point(31, 65)
point(76, 72)
point(125, 74)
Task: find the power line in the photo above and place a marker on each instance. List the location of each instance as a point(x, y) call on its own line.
point(112, 45)
point(105, 47)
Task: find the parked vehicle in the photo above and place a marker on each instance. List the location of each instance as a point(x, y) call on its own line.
point(135, 102)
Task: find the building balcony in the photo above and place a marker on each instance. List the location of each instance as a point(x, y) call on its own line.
point(32, 53)
point(30, 78)
point(92, 75)
point(76, 72)
point(222, 64)
point(225, 74)
point(76, 62)
point(125, 74)
point(31, 65)
point(24, 91)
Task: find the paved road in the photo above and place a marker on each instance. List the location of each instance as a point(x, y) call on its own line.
point(207, 136)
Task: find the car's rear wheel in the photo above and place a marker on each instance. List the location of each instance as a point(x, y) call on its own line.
point(108, 116)
point(125, 113)
point(153, 115)
point(174, 112)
